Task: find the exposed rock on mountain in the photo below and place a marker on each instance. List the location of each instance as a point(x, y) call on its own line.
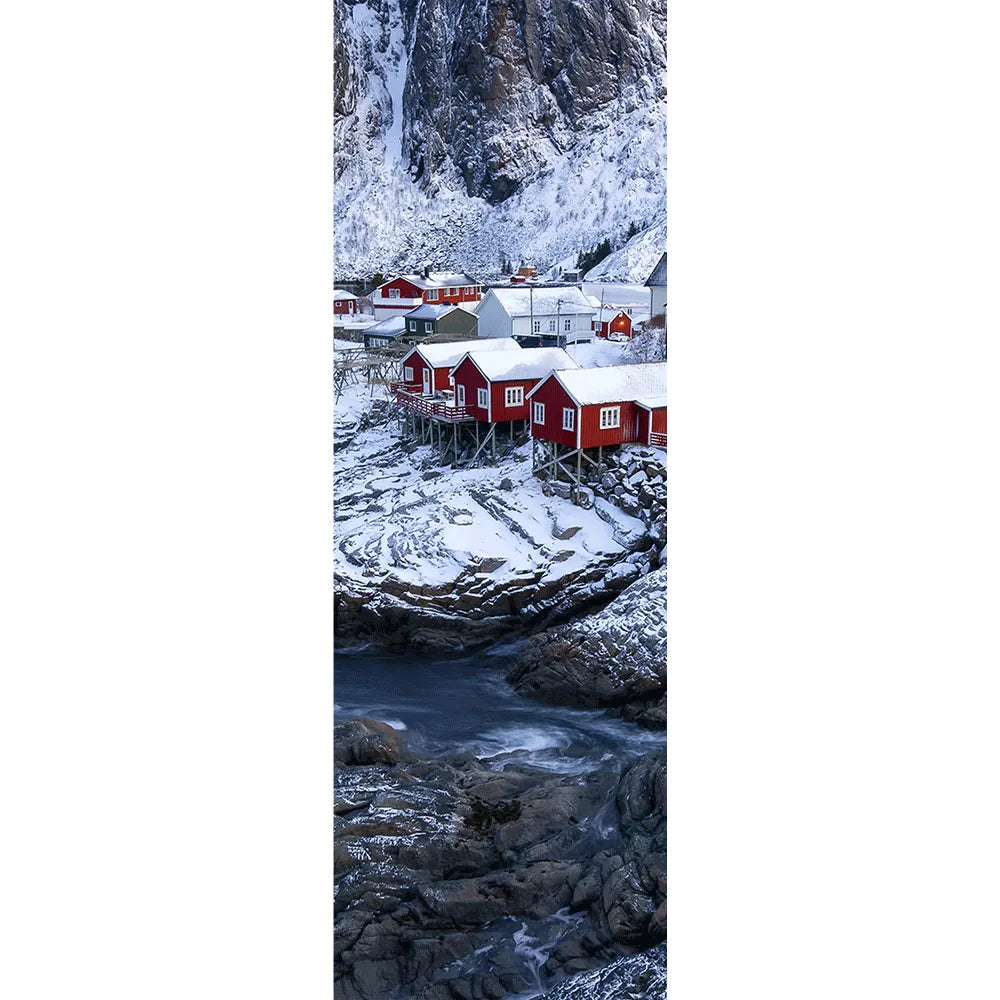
point(467, 131)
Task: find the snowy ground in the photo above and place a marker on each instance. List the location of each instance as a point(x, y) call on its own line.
point(391, 521)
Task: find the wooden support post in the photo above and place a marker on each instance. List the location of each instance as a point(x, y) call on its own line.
point(579, 452)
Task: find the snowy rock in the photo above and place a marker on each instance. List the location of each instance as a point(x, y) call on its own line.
point(614, 659)
point(454, 561)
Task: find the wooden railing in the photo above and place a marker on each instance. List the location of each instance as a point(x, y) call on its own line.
point(428, 406)
point(658, 439)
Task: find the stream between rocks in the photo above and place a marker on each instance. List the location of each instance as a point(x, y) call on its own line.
point(508, 849)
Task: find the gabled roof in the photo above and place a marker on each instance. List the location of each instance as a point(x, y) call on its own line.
point(608, 313)
point(612, 384)
point(339, 293)
point(658, 278)
point(529, 362)
point(652, 402)
point(429, 311)
point(523, 301)
point(446, 355)
point(391, 327)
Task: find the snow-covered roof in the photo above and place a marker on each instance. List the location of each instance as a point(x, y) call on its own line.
point(613, 383)
point(428, 311)
point(652, 402)
point(436, 279)
point(521, 301)
point(339, 294)
point(608, 313)
point(659, 276)
point(391, 327)
point(529, 362)
point(446, 355)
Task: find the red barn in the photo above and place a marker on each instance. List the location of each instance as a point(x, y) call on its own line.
point(593, 407)
point(344, 303)
point(426, 368)
point(495, 384)
point(411, 290)
point(612, 320)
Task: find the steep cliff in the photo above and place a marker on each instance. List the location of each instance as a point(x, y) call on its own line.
point(468, 131)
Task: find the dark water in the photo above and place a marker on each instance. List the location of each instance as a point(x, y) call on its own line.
point(458, 704)
point(454, 704)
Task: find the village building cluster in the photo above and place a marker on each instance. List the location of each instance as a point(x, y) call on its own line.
point(481, 367)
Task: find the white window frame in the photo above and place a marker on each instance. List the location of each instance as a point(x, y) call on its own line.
point(482, 398)
point(408, 374)
point(513, 395)
point(539, 413)
point(432, 295)
point(413, 326)
point(537, 326)
point(428, 326)
point(567, 325)
point(393, 293)
point(460, 394)
point(552, 326)
point(610, 417)
point(569, 418)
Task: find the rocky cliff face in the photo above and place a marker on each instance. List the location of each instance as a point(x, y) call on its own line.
point(450, 115)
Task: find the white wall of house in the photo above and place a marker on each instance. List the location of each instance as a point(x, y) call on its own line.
point(658, 299)
point(552, 324)
point(495, 321)
point(493, 318)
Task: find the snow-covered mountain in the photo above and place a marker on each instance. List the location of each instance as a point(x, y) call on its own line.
point(468, 132)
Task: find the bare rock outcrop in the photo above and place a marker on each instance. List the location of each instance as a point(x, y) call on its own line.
point(615, 659)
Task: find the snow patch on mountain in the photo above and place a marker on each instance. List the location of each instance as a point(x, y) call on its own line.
point(634, 261)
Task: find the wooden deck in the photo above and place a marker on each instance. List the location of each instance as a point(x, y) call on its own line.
point(433, 407)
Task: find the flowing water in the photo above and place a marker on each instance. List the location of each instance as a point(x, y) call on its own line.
point(456, 704)
point(463, 704)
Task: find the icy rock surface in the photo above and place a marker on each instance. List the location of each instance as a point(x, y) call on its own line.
point(637, 977)
point(616, 658)
point(487, 878)
point(474, 128)
point(429, 557)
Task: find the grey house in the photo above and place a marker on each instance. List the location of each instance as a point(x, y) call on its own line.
point(429, 320)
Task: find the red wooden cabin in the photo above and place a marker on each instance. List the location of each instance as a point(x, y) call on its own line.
point(592, 407)
point(426, 368)
point(495, 385)
point(344, 303)
point(609, 321)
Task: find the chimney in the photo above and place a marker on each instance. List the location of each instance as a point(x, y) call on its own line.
point(427, 270)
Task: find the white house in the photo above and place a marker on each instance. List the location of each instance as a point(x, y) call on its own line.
point(556, 316)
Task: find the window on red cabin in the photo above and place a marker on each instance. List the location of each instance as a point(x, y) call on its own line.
point(432, 294)
point(513, 395)
point(539, 413)
point(482, 399)
point(460, 394)
point(407, 374)
point(569, 419)
point(393, 293)
point(610, 416)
